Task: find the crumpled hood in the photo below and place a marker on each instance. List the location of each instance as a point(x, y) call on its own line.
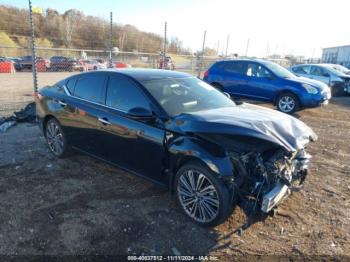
point(249, 120)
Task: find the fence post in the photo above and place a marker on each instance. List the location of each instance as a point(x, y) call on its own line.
point(111, 41)
point(164, 48)
point(35, 77)
point(201, 59)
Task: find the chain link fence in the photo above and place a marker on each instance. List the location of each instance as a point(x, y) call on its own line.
point(54, 64)
point(49, 46)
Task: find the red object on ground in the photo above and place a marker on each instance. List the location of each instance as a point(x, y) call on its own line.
point(121, 65)
point(41, 66)
point(7, 67)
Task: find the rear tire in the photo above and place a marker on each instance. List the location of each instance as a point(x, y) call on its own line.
point(218, 86)
point(287, 103)
point(337, 90)
point(56, 138)
point(203, 197)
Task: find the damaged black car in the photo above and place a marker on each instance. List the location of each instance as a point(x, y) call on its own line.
point(181, 133)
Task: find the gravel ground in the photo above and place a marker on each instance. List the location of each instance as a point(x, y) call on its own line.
point(82, 206)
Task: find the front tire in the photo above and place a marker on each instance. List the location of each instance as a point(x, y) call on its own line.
point(287, 103)
point(204, 198)
point(56, 138)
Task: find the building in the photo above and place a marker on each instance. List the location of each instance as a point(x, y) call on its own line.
point(336, 55)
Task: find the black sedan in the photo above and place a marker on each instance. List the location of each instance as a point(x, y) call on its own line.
point(181, 133)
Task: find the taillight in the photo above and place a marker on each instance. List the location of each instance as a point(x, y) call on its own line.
point(206, 73)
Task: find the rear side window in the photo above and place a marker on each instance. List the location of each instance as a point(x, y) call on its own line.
point(256, 70)
point(89, 87)
point(300, 70)
point(123, 94)
point(317, 71)
point(70, 85)
point(235, 67)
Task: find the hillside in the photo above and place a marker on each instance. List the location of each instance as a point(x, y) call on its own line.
point(74, 29)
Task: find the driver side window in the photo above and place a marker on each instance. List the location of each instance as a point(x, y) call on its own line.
point(317, 71)
point(123, 94)
point(256, 70)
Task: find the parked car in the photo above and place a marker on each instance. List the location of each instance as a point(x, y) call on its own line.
point(168, 63)
point(17, 63)
point(181, 133)
point(337, 80)
point(62, 63)
point(26, 62)
point(94, 65)
point(340, 68)
point(102, 63)
point(266, 81)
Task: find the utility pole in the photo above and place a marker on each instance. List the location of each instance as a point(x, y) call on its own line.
point(111, 41)
point(246, 49)
point(35, 77)
point(201, 61)
point(164, 48)
point(227, 40)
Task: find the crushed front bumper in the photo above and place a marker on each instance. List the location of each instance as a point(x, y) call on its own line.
point(283, 188)
point(275, 196)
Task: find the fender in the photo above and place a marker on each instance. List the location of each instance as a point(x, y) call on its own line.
point(184, 148)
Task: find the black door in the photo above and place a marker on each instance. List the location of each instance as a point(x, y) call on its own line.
point(81, 106)
point(135, 144)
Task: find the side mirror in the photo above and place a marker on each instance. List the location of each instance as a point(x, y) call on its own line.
point(326, 75)
point(140, 113)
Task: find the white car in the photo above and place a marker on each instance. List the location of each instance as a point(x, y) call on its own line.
point(337, 80)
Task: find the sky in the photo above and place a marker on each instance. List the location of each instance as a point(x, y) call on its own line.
point(298, 27)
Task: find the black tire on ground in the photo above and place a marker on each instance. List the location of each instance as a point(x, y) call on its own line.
point(338, 90)
point(56, 139)
point(287, 103)
point(222, 195)
point(218, 86)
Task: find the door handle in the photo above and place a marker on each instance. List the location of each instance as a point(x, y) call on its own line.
point(104, 121)
point(62, 103)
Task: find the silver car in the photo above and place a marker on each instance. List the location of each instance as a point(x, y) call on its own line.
point(337, 80)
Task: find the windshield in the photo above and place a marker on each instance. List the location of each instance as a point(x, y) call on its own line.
point(278, 70)
point(185, 95)
point(341, 69)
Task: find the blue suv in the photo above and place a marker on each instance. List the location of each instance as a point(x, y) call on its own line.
point(266, 81)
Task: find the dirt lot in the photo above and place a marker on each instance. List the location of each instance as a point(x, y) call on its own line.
point(82, 206)
point(16, 89)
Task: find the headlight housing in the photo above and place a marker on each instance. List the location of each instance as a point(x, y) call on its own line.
point(310, 89)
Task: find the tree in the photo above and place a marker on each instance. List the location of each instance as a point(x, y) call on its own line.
point(70, 20)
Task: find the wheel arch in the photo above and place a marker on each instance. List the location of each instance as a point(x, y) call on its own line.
point(185, 150)
point(45, 120)
point(217, 84)
point(285, 91)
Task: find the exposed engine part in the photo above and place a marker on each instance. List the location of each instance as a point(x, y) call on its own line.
point(268, 177)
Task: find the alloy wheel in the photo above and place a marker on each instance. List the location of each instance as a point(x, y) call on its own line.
point(54, 138)
point(286, 104)
point(198, 196)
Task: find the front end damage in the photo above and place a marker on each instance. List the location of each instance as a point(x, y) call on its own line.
point(268, 178)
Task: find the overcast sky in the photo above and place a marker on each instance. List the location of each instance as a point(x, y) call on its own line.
point(300, 27)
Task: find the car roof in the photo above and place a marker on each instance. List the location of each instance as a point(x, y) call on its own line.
point(142, 74)
point(256, 60)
